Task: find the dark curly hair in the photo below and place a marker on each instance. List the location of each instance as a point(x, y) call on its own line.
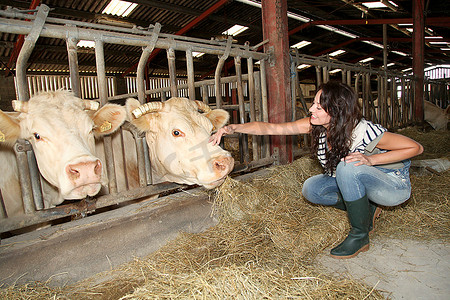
point(340, 102)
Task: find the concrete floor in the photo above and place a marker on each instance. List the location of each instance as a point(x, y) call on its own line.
point(402, 269)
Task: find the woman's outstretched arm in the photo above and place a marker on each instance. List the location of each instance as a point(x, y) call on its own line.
point(300, 126)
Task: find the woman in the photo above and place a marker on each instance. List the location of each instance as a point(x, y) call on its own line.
point(361, 161)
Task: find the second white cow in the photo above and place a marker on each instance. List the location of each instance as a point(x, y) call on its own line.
point(177, 133)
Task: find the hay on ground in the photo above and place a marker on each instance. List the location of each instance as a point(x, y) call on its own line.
point(264, 246)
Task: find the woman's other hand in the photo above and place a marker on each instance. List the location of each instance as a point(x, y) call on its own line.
point(359, 157)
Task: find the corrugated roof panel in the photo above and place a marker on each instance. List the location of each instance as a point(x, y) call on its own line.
point(175, 14)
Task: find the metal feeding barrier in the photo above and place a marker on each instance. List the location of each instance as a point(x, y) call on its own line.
point(251, 107)
point(386, 97)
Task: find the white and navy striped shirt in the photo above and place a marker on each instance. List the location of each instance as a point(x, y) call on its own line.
point(364, 133)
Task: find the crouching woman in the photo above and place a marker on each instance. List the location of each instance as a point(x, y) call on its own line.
point(364, 164)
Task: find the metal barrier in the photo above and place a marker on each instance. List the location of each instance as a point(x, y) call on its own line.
point(243, 109)
point(437, 91)
point(386, 97)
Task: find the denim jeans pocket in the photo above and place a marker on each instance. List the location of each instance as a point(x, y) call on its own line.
point(400, 176)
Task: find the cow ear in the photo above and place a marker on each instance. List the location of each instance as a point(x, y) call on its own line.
point(9, 129)
point(218, 118)
point(144, 122)
point(109, 118)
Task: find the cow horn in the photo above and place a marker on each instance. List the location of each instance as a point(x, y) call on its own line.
point(203, 106)
point(147, 108)
point(20, 106)
point(91, 105)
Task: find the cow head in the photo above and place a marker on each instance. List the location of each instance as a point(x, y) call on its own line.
point(62, 133)
point(177, 133)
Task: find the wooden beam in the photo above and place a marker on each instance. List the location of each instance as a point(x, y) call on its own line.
point(275, 24)
point(418, 57)
point(438, 21)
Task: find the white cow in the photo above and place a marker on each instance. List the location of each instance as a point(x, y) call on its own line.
point(436, 116)
point(61, 132)
point(177, 133)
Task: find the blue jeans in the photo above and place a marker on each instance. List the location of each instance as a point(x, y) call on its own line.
point(387, 187)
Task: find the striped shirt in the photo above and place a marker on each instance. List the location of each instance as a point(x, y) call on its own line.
point(364, 133)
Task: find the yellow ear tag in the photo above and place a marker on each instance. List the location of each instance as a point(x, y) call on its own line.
point(105, 126)
point(2, 137)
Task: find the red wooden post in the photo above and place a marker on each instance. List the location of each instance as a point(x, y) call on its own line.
point(275, 29)
point(418, 57)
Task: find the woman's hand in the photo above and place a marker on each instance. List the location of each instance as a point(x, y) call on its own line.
point(215, 138)
point(358, 156)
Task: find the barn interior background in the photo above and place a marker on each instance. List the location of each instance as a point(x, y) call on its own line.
point(153, 50)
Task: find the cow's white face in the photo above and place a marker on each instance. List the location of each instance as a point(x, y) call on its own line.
point(62, 135)
point(177, 136)
point(61, 139)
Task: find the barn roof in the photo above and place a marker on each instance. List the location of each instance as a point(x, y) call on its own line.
point(328, 25)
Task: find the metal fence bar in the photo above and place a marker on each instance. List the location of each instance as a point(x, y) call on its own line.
point(218, 71)
point(251, 100)
point(172, 72)
point(143, 62)
point(190, 74)
point(243, 139)
point(73, 63)
point(103, 93)
point(27, 49)
point(258, 114)
point(20, 149)
point(265, 150)
point(35, 178)
point(165, 42)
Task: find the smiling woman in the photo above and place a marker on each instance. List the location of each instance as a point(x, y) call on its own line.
point(361, 161)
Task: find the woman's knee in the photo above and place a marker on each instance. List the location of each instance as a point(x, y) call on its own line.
point(345, 169)
point(319, 189)
point(307, 189)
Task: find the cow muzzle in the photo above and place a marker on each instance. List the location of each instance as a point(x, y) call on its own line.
point(85, 177)
point(221, 167)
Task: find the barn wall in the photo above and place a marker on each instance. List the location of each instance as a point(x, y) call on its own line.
point(7, 92)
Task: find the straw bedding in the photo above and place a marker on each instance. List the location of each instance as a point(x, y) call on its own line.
point(265, 243)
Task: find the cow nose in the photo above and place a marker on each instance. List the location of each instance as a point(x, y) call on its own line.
point(223, 165)
point(84, 170)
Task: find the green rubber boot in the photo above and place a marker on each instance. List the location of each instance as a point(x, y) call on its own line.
point(358, 238)
point(375, 211)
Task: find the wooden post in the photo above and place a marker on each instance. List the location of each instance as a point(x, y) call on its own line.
point(418, 57)
point(275, 29)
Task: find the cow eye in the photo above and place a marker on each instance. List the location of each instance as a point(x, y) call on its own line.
point(177, 133)
point(37, 136)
